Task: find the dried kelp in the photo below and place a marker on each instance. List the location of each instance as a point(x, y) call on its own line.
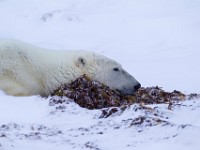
point(90, 94)
point(94, 95)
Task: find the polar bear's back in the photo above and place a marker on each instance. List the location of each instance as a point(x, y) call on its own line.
point(16, 55)
point(17, 47)
point(22, 53)
point(29, 70)
point(14, 66)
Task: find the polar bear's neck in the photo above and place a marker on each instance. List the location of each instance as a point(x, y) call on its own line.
point(58, 68)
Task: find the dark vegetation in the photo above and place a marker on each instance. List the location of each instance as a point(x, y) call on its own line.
point(94, 95)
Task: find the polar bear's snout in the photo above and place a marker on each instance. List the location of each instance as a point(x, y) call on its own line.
point(136, 87)
point(119, 79)
point(129, 90)
point(127, 84)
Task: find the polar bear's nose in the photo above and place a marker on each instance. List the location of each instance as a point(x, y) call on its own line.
point(136, 87)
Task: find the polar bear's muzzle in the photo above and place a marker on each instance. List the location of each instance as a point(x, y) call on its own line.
point(129, 90)
point(136, 87)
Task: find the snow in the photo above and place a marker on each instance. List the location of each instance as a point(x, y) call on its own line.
point(156, 41)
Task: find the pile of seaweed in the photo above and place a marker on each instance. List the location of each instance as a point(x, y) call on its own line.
point(94, 95)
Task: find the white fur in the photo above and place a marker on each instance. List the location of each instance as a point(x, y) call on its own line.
point(29, 70)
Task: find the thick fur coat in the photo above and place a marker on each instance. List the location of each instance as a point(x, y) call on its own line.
point(29, 70)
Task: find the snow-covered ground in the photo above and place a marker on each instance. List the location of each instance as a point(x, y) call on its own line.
point(156, 41)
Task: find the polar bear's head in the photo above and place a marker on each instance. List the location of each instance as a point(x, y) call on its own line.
point(106, 71)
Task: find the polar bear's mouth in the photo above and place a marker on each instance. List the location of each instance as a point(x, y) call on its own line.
point(129, 90)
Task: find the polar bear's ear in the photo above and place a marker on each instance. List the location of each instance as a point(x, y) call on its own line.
point(80, 62)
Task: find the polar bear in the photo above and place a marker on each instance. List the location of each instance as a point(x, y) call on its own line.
point(29, 70)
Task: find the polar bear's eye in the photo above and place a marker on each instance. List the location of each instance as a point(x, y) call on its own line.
point(116, 69)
